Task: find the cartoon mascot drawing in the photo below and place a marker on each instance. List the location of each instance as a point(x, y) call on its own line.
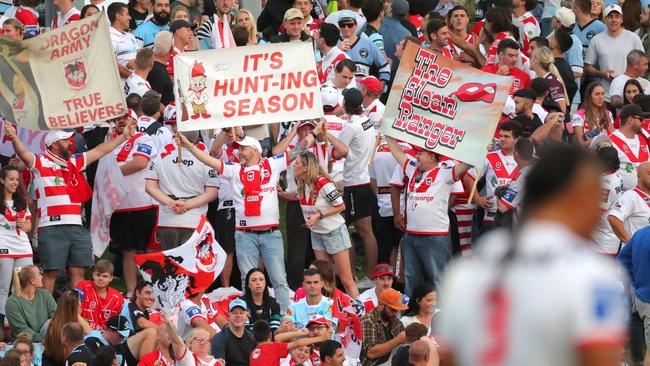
point(198, 97)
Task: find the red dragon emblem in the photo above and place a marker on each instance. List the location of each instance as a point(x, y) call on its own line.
point(75, 73)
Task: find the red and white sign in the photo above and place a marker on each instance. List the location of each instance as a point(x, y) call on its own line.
point(246, 85)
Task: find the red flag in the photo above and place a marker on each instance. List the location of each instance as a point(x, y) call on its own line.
point(349, 331)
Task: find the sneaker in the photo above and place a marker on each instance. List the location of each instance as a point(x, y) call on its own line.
point(365, 283)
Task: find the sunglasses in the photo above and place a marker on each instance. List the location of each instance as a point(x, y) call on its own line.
point(200, 340)
point(347, 25)
point(384, 269)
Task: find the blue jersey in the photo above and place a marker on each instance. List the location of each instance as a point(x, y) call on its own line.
point(588, 32)
point(300, 312)
point(574, 55)
point(374, 36)
point(146, 32)
point(369, 60)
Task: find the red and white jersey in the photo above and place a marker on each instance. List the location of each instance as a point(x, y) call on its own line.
point(631, 152)
point(604, 240)
point(500, 169)
point(324, 197)
point(375, 113)
point(26, 15)
point(322, 152)
point(190, 311)
point(139, 145)
point(381, 170)
point(427, 200)
point(14, 243)
point(633, 208)
point(528, 29)
point(492, 52)
point(97, 310)
point(369, 299)
point(311, 27)
point(226, 198)
point(270, 170)
point(469, 38)
point(161, 137)
point(53, 200)
point(334, 125)
point(579, 119)
point(551, 262)
point(136, 84)
point(327, 66)
point(184, 181)
point(61, 20)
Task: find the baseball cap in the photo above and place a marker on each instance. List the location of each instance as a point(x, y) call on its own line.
point(383, 269)
point(527, 93)
point(613, 7)
point(169, 116)
point(237, 303)
point(293, 13)
point(372, 84)
point(393, 299)
point(307, 122)
point(632, 110)
point(178, 24)
point(120, 324)
point(249, 142)
point(347, 15)
point(352, 97)
point(56, 135)
point(329, 96)
point(566, 17)
point(317, 319)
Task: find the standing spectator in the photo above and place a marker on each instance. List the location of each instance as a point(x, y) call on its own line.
point(68, 310)
point(604, 240)
point(15, 223)
point(393, 32)
point(261, 305)
point(459, 38)
point(65, 13)
point(63, 241)
point(193, 11)
point(524, 100)
point(293, 27)
point(148, 121)
point(13, 29)
point(373, 10)
point(158, 77)
point(593, 118)
point(382, 330)
point(26, 14)
point(439, 37)
point(630, 143)
point(632, 211)
point(124, 43)
point(139, 12)
point(606, 56)
point(383, 279)
point(246, 19)
point(633, 257)
point(137, 82)
point(146, 32)
point(30, 308)
point(221, 36)
point(234, 344)
point(100, 301)
point(181, 42)
point(310, 24)
point(272, 15)
point(525, 22)
point(560, 44)
point(508, 52)
point(328, 37)
point(565, 20)
point(421, 307)
point(637, 67)
point(497, 27)
point(76, 351)
point(331, 353)
point(353, 8)
point(542, 64)
point(509, 202)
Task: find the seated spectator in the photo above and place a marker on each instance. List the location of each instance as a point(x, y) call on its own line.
point(327, 276)
point(129, 349)
point(593, 118)
point(233, 345)
point(77, 352)
point(421, 306)
point(383, 279)
point(169, 348)
point(31, 307)
point(636, 69)
point(413, 331)
point(137, 309)
point(313, 304)
point(100, 301)
point(261, 306)
point(198, 312)
point(67, 311)
point(11, 359)
point(382, 330)
point(269, 353)
point(24, 345)
point(199, 344)
point(331, 353)
point(419, 353)
point(298, 355)
point(105, 357)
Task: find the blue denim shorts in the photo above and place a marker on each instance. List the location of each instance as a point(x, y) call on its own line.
point(333, 242)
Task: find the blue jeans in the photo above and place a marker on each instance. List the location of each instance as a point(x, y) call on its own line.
point(425, 255)
point(249, 247)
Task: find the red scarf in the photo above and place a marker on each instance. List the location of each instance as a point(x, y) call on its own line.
point(252, 181)
point(11, 218)
point(78, 188)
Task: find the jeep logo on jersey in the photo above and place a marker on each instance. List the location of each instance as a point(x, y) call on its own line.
point(363, 52)
point(185, 162)
point(75, 73)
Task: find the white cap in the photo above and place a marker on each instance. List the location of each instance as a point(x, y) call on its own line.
point(249, 142)
point(56, 135)
point(509, 108)
point(566, 17)
point(613, 7)
point(329, 96)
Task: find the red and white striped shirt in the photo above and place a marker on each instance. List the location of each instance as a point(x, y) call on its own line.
point(53, 199)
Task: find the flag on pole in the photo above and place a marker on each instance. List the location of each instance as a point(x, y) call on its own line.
point(349, 331)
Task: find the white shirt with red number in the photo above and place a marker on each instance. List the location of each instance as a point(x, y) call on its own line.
point(334, 125)
point(324, 197)
point(375, 112)
point(183, 182)
point(327, 66)
point(427, 200)
point(190, 311)
point(631, 153)
point(136, 84)
point(382, 170)
point(633, 208)
point(270, 170)
point(226, 192)
point(359, 136)
point(161, 137)
point(141, 145)
point(603, 238)
point(499, 170)
point(53, 200)
point(369, 299)
point(61, 20)
point(14, 243)
point(550, 263)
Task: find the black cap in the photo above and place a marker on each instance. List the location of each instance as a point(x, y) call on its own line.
point(632, 110)
point(120, 324)
point(527, 93)
point(178, 24)
point(352, 97)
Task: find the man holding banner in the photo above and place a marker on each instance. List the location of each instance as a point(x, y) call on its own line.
point(61, 188)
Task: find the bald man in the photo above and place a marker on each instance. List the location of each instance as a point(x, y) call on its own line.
point(419, 353)
point(632, 211)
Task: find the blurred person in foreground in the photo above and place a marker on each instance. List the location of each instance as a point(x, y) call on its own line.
point(580, 316)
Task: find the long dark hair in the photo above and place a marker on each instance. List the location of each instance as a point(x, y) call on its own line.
point(248, 295)
point(19, 197)
point(634, 82)
point(419, 292)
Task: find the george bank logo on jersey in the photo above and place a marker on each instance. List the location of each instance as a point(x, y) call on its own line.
point(75, 73)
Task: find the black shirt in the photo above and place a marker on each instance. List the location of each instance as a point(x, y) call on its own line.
point(401, 356)
point(159, 80)
point(135, 314)
point(80, 356)
point(269, 311)
point(236, 351)
point(137, 18)
point(528, 125)
point(566, 73)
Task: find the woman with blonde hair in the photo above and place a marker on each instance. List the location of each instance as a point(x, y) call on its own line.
point(246, 19)
point(198, 343)
point(68, 311)
point(541, 63)
point(322, 206)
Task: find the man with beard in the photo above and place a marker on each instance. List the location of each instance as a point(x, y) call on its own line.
point(216, 33)
point(61, 188)
point(146, 32)
point(382, 330)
